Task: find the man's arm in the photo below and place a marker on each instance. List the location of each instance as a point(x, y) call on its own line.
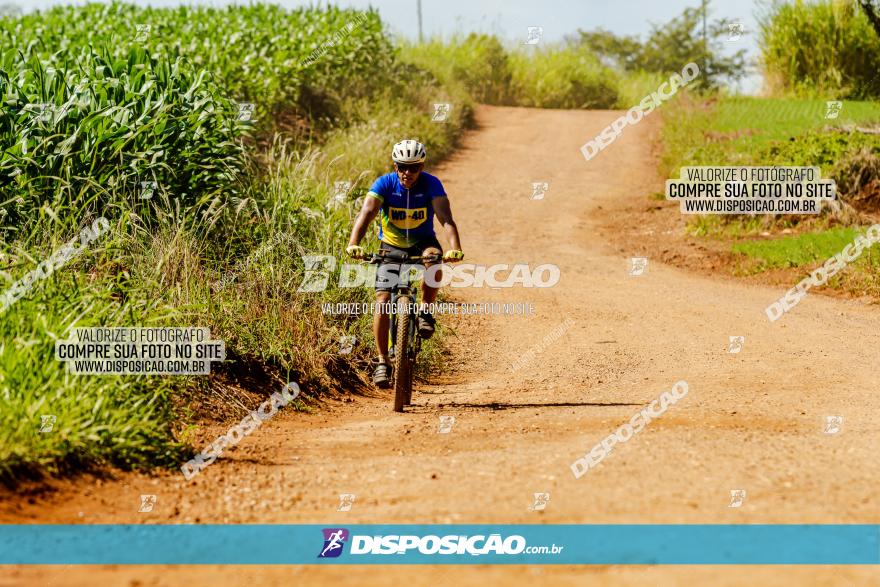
point(444, 216)
point(368, 212)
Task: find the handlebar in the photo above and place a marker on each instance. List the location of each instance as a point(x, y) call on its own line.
point(399, 257)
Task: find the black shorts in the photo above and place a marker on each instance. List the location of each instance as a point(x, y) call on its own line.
point(415, 250)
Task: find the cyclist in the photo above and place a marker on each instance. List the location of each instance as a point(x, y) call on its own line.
point(408, 199)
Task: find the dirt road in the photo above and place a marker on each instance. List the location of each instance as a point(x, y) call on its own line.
point(752, 420)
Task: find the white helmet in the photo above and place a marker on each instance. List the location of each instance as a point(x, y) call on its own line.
point(409, 151)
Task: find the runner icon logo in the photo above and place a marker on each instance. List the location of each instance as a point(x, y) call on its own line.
point(541, 500)
point(539, 188)
point(47, 423)
point(638, 266)
point(340, 194)
point(147, 503)
point(334, 540)
point(833, 424)
point(147, 189)
point(832, 109)
point(737, 497)
point(446, 423)
point(142, 32)
point(346, 500)
point(735, 31)
point(346, 344)
point(245, 112)
point(441, 112)
point(735, 344)
point(535, 34)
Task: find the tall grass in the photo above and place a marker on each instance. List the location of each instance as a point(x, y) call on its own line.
point(635, 85)
point(553, 76)
point(165, 107)
point(127, 420)
point(405, 112)
point(562, 77)
point(478, 62)
point(823, 48)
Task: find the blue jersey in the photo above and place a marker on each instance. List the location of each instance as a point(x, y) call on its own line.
point(407, 214)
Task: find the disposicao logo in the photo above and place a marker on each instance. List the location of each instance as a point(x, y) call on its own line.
point(334, 540)
point(411, 544)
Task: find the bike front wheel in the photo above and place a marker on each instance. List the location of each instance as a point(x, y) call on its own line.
point(402, 360)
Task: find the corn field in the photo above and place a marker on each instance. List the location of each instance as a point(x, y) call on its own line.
point(108, 102)
point(158, 119)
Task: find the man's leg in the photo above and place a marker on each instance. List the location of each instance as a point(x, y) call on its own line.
point(381, 320)
point(429, 295)
point(380, 324)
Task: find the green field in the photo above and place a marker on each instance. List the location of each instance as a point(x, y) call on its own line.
point(92, 107)
point(752, 131)
point(776, 131)
point(797, 250)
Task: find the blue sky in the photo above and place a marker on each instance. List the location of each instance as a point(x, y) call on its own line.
point(510, 18)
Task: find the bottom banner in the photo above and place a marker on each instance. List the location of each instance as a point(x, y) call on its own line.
point(439, 544)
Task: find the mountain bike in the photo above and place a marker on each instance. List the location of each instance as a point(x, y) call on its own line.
point(404, 343)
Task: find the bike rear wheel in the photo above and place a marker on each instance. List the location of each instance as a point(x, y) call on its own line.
point(402, 359)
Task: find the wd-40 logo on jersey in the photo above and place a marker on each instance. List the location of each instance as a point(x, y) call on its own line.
point(334, 540)
point(407, 217)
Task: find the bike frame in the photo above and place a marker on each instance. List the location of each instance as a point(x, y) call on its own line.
point(403, 287)
point(411, 290)
point(415, 341)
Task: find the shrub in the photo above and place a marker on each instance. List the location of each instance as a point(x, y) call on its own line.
point(478, 62)
point(562, 78)
point(825, 48)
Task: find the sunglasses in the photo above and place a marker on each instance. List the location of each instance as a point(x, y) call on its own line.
point(412, 168)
